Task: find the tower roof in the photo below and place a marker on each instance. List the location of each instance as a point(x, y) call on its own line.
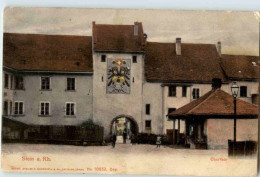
point(119, 38)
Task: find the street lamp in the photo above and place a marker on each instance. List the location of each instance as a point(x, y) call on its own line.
point(234, 90)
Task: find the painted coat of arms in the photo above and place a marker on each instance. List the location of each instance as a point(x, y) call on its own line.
point(118, 76)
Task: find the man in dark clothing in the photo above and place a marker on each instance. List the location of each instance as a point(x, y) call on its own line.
point(124, 136)
point(114, 141)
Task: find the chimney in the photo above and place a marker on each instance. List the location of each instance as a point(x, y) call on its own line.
point(216, 83)
point(219, 48)
point(178, 46)
point(145, 40)
point(136, 29)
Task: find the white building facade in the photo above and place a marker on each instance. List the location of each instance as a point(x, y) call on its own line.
point(115, 74)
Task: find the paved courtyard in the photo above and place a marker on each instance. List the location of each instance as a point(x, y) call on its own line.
point(124, 158)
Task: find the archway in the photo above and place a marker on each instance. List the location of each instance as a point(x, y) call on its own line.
point(122, 122)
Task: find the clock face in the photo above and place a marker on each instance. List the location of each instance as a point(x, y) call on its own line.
point(118, 76)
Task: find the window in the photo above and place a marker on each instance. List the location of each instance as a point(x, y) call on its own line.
point(19, 82)
point(6, 81)
point(45, 83)
point(103, 58)
point(171, 110)
point(44, 108)
point(70, 109)
point(11, 108)
point(148, 126)
point(147, 109)
point(18, 108)
point(243, 91)
point(134, 59)
point(148, 123)
point(70, 83)
point(11, 81)
point(184, 91)
point(5, 108)
point(195, 93)
point(255, 99)
point(172, 91)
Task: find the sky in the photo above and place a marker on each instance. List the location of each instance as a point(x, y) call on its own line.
point(237, 31)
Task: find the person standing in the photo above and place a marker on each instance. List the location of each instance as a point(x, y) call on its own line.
point(124, 136)
point(158, 141)
point(114, 141)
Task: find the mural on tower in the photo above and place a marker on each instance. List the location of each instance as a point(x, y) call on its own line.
point(118, 76)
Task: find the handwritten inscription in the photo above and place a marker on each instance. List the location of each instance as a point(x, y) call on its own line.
point(218, 159)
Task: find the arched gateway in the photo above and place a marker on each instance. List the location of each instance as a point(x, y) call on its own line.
point(121, 122)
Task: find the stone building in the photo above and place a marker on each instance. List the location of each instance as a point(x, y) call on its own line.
point(116, 74)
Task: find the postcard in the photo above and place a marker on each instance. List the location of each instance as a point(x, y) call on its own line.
point(128, 91)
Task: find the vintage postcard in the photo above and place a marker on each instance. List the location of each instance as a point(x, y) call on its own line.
point(120, 91)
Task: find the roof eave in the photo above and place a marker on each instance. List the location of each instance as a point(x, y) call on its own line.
point(165, 82)
point(118, 51)
point(212, 116)
point(243, 79)
point(5, 68)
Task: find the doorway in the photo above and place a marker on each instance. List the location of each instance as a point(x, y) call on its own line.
point(121, 124)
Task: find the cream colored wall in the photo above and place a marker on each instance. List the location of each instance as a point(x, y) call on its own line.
point(152, 94)
point(204, 88)
point(220, 130)
point(174, 102)
point(252, 88)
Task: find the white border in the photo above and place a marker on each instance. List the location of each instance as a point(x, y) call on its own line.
point(248, 5)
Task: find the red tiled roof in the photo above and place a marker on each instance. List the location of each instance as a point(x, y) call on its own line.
point(118, 38)
point(216, 103)
point(240, 67)
point(36, 52)
point(197, 63)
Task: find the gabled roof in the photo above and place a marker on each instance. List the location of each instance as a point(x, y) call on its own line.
point(119, 38)
point(197, 63)
point(216, 103)
point(240, 67)
point(37, 52)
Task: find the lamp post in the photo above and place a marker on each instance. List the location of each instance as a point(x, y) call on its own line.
point(234, 90)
